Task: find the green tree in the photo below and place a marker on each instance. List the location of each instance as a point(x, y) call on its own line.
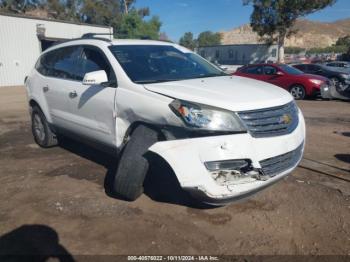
point(294, 50)
point(209, 38)
point(188, 41)
point(56, 9)
point(126, 5)
point(126, 20)
point(18, 6)
point(338, 49)
point(344, 41)
point(103, 12)
point(150, 29)
point(132, 25)
point(67, 10)
point(144, 11)
point(72, 9)
point(273, 20)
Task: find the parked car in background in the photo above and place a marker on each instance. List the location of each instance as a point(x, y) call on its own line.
point(338, 77)
point(228, 69)
point(332, 92)
point(299, 84)
point(339, 65)
point(340, 80)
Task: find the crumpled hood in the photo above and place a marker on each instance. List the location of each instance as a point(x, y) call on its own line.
point(229, 92)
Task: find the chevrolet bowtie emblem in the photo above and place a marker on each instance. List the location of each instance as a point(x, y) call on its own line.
point(286, 119)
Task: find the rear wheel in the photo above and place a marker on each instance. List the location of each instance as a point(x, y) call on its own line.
point(298, 92)
point(42, 133)
point(133, 165)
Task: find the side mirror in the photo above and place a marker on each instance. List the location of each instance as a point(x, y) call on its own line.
point(95, 78)
point(279, 73)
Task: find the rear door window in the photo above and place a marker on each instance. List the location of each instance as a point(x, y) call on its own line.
point(43, 65)
point(270, 70)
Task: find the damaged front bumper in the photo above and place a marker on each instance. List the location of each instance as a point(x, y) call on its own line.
point(267, 160)
point(340, 92)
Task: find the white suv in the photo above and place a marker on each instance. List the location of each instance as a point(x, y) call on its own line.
point(225, 137)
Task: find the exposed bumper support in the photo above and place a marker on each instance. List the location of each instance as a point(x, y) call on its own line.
point(187, 158)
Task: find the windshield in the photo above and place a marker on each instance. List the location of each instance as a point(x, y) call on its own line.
point(160, 63)
point(291, 70)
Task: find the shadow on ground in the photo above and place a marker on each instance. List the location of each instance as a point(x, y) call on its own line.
point(33, 243)
point(160, 185)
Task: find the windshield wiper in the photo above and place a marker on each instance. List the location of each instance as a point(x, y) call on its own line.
point(209, 75)
point(152, 81)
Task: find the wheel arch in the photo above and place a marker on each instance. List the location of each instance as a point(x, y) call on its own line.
point(136, 124)
point(308, 91)
point(33, 102)
point(296, 84)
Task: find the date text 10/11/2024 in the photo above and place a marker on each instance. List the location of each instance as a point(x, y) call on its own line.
point(173, 258)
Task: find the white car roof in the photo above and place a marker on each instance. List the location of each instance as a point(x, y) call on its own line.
point(99, 42)
point(139, 42)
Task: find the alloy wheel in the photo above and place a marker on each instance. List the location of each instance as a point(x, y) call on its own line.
point(297, 92)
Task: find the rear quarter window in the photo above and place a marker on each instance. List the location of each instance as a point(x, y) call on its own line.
point(42, 65)
point(59, 63)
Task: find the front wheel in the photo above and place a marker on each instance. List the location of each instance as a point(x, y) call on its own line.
point(133, 164)
point(339, 85)
point(298, 92)
point(42, 133)
point(335, 81)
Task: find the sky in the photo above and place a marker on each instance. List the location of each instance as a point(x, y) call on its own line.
point(180, 16)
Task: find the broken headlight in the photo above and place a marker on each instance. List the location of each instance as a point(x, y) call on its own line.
point(207, 118)
point(233, 172)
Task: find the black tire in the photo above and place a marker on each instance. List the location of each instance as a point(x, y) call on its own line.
point(133, 165)
point(298, 92)
point(338, 84)
point(42, 133)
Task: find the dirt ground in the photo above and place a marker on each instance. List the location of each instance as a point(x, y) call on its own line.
point(57, 200)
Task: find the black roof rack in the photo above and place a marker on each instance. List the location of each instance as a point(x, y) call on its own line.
point(93, 36)
point(86, 36)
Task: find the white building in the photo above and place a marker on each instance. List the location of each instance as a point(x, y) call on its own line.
point(23, 38)
point(241, 54)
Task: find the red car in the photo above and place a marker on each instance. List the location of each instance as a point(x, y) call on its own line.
point(299, 84)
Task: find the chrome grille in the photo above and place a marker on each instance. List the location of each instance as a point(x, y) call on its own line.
point(274, 121)
point(275, 165)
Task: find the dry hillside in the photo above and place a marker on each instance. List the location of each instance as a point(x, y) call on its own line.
point(310, 34)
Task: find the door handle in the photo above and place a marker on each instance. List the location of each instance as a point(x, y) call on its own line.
point(73, 94)
point(45, 89)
